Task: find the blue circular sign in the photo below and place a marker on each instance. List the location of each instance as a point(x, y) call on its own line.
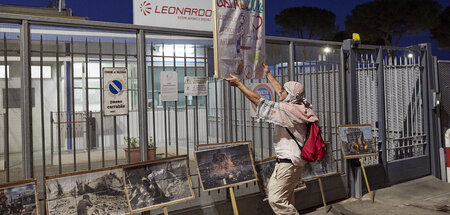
point(115, 87)
point(265, 92)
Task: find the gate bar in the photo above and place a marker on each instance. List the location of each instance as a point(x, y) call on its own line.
point(142, 94)
point(381, 109)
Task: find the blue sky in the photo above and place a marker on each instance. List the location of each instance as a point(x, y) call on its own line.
point(121, 11)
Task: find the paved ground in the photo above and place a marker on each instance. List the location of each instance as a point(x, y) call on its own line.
point(426, 195)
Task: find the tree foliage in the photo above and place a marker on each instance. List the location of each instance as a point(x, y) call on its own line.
point(385, 22)
point(306, 22)
point(441, 32)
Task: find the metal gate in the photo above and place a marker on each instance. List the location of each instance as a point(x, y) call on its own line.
point(391, 88)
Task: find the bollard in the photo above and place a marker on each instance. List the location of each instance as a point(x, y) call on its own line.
point(447, 153)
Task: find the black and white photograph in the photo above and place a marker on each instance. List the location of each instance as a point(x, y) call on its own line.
point(356, 141)
point(225, 167)
point(325, 167)
point(158, 183)
point(87, 193)
point(19, 198)
point(264, 170)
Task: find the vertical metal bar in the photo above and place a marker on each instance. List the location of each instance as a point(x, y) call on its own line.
point(153, 95)
point(227, 112)
point(291, 60)
point(186, 105)
point(217, 110)
point(176, 103)
point(206, 97)
point(114, 117)
point(142, 94)
point(128, 112)
point(330, 132)
point(165, 107)
point(41, 83)
point(102, 130)
point(88, 119)
point(253, 131)
point(27, 126)
point(51, 138)
point(381, 108)
point(6, 105)
point(58, 106)
point(323, 69)
point(74, 146)
point(197, 138)
point(235, 115)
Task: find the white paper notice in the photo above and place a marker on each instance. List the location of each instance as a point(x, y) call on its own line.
point(239, 38)
point(115, 92)
point(169, 86)
point(195, 86)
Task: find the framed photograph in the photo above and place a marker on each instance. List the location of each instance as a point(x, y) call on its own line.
point(19, 198)
point(202, 147)
point(264, 170)
point(157, 183)
point(226, 166)
point(357, 141)
point(323, 168)
point(89, 192)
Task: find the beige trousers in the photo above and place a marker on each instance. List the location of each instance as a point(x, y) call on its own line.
point(281, 186)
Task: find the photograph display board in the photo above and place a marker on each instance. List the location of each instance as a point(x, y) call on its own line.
point(325, 167)
point(158, 183)
point(225, 166)
point(19, 198)
point(356, 141)
point(202, 147)
point(115, 91)
point(88, 192)
point(264, 170)
point(239, 38)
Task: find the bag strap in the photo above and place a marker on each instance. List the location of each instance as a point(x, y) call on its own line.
point(295, 139)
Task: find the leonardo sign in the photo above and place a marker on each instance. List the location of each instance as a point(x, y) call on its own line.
point(179, 14)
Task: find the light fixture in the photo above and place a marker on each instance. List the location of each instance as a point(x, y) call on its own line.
point(327, 50)
point(410, 55)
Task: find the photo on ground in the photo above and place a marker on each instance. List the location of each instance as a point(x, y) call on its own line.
point(203, 147)
point(322, 168)
point(264, 170)
point(158, 183)
point(225, 167)
point(356, 141)
point(87, 193)
point(19, 198)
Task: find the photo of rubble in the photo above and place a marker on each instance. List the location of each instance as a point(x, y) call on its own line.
point(158, 183)
point(225, 167)
point(325, 167)
point(356, 141)
point(88, 193)
point(19, 199)
point(264, 170)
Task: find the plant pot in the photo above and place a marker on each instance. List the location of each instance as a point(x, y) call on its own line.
point(135, 154)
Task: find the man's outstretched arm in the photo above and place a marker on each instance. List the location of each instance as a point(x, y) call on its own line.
point(275, 83)
point(252, 96)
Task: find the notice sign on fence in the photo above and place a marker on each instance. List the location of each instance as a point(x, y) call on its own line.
point(195, 86)
point(115, 91)
point(169, 86)
point(239, 38)
point(265, 91)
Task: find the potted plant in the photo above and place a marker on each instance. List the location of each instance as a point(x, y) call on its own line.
point(135, 153)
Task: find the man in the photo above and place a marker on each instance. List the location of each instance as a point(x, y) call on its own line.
point(82, 208)
point(290, 117)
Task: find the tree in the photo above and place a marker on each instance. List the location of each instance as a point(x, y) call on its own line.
point(385, 22)
point(306, 22)
point(441, 32)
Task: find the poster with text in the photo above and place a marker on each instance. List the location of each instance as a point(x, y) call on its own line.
point(169, 86)
point(115, 91)
point(195, 86)
point(239, 38)
point(265, 91)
